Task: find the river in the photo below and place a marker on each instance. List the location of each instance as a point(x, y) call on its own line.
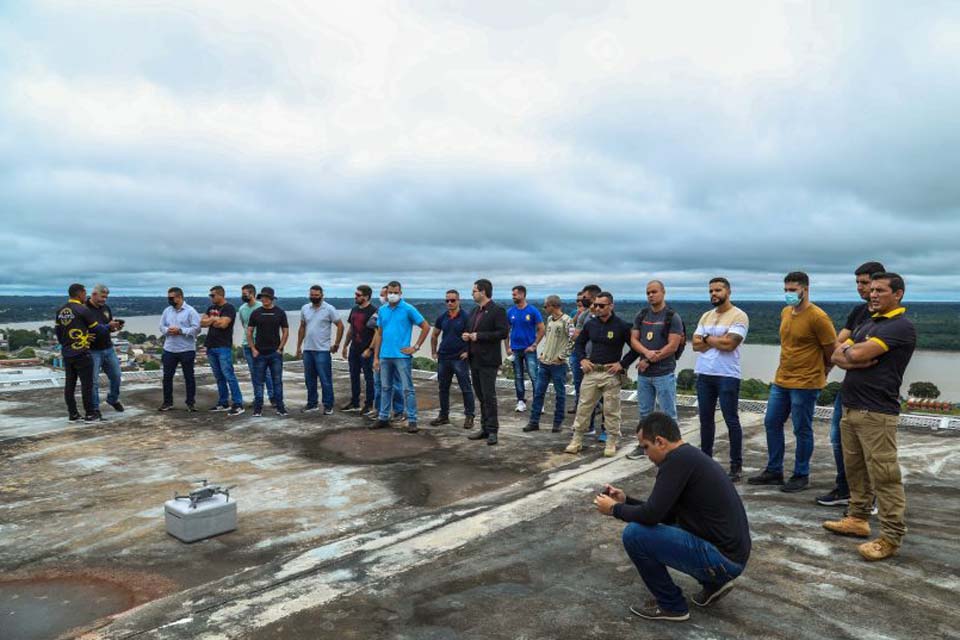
point(757, 360)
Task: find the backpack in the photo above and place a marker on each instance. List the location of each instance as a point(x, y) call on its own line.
point(667, 321)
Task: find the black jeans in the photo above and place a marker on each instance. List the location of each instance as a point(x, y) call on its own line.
point(170, 361)
point(485, 386)
point(446, 369)
point(357, 364)
point(81, 367)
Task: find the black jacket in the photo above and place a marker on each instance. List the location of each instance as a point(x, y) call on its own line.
point(490, 324)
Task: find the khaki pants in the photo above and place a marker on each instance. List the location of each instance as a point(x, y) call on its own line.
point(596, 384)
point(870, 456)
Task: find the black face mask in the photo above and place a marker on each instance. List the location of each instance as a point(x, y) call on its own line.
point(172, 301)
point(245, 297)
point(315, 301)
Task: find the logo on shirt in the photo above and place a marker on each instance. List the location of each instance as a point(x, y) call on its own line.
point(527, 317)
point(609, 335)
point(65, 316)
point(649, 335)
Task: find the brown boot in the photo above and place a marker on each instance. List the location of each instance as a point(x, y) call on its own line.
point(576, 443)
point(611, 449)
point(468, 422)
point(848, 527)
point(879, 549)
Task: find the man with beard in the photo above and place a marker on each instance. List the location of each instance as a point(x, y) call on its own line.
point(717, 340)
point(487, 326)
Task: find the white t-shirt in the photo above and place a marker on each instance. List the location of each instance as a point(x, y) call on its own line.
point(714, 362)
point(319, 322)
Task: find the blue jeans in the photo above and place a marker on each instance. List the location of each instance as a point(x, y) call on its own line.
point(727, 390)
point(186, 360)
point(654, 548)
point(397, 391)
point(107, 361)
point(524, 361)
point(357, 364)
point(268, 366)
point(797, 404)
point(446, 369)
point(392, 370)
point(318, 364)
point(221, 363)
point(842, 487)
point(556, 373)
point(248, 356)
point(654, 390)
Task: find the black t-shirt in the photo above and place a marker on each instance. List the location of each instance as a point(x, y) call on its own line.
point(268, 323)
point(877, 388)
point(76, 329)
point(857, 316)
point(104, 315)
point(361, 333)
point(693, 491)
point(219, 338)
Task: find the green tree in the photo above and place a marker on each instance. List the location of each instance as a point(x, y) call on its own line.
point(754, 389)
point(686, 379)
point(923, 390)
point(27, 352)
point(20, 338)
point(424, 364)
point(151, 365)
point(829, 394)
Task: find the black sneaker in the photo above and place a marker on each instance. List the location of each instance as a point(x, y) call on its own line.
point(75, 417)
point(94, 417)
point(379, 424)
point(711, 593)
point(310, 408)
point(796, 484)
point(652, 611)
point(236, 410)
point(219, 408)
point(531, 427)
point(165, 407)
point(282, 411)
point(257, 412)
point(736, 472)
point(637, 454)
point(191, 408)
point(557, 428)
point(766, 477)
point(834, 499)
point(479, 435)
point(439, 420)
point(367, 409)
point(492, 438)
point(398, 417)
point(273, 403)
point(412, 427)
point(350, 408)
point(116, 406)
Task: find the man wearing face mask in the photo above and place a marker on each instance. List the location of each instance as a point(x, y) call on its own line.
point(807, 342)
point(393, 354)
point(316, 320)
point(397, 409)
point(248, 294)
point(180, 326)
point(487, 326)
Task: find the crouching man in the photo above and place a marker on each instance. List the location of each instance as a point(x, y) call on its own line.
point(693, 521)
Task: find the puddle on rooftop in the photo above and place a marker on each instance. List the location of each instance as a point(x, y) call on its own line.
point(49, 607)
point(370, 447)
point(445, 483)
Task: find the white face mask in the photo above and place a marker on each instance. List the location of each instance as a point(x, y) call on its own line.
point(393, 298)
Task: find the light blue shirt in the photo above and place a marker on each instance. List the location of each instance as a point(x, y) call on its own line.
point(396, 327)
point(188, 320)
point(319, 321)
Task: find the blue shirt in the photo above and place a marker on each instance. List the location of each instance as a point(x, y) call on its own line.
point(396, 328)
point(523, 326)
point(187, 318)
point(451, 344)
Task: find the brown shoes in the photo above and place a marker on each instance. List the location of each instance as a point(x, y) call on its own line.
point(576, 443)
point(849, 527)
point(468, 422)
point(879, 549)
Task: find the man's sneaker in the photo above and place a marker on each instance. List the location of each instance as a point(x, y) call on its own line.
point(439, 420)
point(736, 472)
point(236, 410)
point(874, 510)
point(310, 408)
point(652, 611)
point(711, 593)
point(350, 408)
point(468, 422)
point(219, 408)
point(366, 410)
point(879, 549)
point(379, 424)
point(531, 427)
point(94, 417)
point(521, 406)
point(492, 438)
point(191, 408)
point(834, 498)
point(273, 402)
point(848, 526)
point(75, 417)
point(397, 417)
point(637, 454)
point(328, 411)
point(557, 428)
point(412, 427)
point(165, 407)
point(592, 431)
point(602, 437)
point(282, 411)
point(796, 484)
point(116, 406)
point(257, 412)
point(767, 477)
point(479, 435)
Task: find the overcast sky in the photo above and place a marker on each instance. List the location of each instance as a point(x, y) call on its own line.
point(146, 144)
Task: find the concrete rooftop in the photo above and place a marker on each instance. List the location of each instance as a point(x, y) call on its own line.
point(351, 533)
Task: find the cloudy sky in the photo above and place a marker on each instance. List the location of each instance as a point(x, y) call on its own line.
point(166, 142)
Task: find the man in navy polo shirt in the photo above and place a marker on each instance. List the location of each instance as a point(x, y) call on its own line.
point(451, 357)
point(526, 332)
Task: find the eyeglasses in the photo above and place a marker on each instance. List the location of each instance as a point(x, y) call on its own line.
point(212, 295)
point(600, 305)
point(449, 301)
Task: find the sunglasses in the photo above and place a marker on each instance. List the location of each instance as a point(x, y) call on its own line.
point(212, 295)
point(449, 301)
point(600, 305)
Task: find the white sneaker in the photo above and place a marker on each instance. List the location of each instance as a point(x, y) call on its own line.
point(521, 406)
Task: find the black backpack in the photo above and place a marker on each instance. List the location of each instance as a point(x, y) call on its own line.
point(667, 321)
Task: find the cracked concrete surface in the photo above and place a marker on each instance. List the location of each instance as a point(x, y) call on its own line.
point(346, 532)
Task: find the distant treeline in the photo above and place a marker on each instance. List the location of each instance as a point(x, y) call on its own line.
point(938, 323)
